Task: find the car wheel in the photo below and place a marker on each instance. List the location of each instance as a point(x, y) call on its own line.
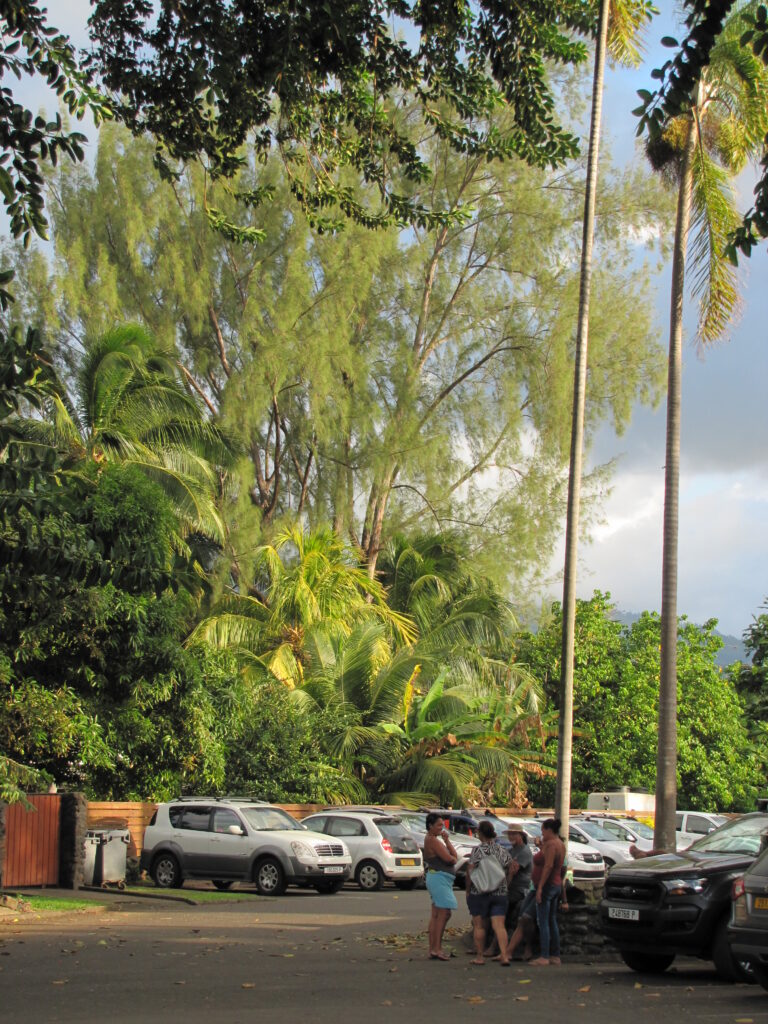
point(329, 888)
point(269, 877)
point(222, 883)
point(166, 872)
point(726, 964)
point(406, 883)
point(647, 963)
point(369, 876)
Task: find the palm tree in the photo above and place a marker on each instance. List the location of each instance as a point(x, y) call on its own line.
point(723, 129)
point(129, 405)
point(620, 22)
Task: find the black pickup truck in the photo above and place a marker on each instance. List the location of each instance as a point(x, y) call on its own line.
point(679, 903)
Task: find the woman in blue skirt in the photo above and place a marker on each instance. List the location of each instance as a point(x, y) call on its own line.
point(440, 865)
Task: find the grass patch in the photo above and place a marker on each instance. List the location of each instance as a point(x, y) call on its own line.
point(198, 895)
point(56, 903)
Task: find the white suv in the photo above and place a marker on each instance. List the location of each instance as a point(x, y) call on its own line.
point(380, 844)
point(239, 840)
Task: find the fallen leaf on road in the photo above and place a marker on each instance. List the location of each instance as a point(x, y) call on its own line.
point(386, 1002)
point(524, 981)
point(475, 999)
point(744, 1020)
point(392, 970)
point(638, 984)
point(521, 999)
point(652, 995)
point(61, 981)
point(103, 942)
point(584, 988)
point(248, 984)
point(179, 983)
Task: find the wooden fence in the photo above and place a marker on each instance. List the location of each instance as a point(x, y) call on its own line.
point(32, 842)
point(133, 816)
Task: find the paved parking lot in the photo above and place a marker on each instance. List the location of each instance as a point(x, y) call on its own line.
point(334, 959)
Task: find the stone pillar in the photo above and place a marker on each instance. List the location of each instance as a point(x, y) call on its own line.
point(72, 828)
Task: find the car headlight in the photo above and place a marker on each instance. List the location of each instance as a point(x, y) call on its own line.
point(303, 852)
point(574, 855)
point(685, 886)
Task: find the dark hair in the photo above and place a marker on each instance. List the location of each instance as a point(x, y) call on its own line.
point(486, 830)
point(553, 824)
point(432, 817)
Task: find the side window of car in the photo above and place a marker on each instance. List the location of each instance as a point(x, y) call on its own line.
point(223, 818)
point(698, 824)
point(319, 824)
point(613, 828)
point(678, 822)
point(196, 819)
point(576, 837)
point(341, 827)
point(174, 815)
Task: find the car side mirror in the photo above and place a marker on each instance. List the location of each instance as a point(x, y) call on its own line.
point(235, 830)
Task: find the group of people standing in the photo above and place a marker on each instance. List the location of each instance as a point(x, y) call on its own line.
point(506, 889)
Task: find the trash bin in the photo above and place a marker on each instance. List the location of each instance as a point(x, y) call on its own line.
point(106, 851)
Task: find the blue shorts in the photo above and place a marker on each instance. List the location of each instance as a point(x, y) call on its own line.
point(487, 904)
point(440, 886)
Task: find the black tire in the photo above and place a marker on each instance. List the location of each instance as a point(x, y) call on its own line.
point(406, 884)
point(330, 887)
point(269, 877)
point(369, 876)
point(647, 963)
point(222, 883)
point(166, 872)
point(726, 964)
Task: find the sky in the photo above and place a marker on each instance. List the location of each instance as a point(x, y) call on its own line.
point(723, 552)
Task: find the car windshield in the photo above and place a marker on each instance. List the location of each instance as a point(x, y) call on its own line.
point(392, 828)
point(269, 819)
point(595, 831)
point(414, 820)
point(643, 830)
point(739, 836)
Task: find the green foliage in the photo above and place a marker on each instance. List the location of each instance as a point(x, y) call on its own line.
point(751, 679)
point(616, 686)
point(325, 85)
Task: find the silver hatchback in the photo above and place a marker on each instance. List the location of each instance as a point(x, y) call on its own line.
point(382, 848)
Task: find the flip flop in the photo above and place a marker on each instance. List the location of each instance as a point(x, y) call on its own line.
point(479, 963)
point(439, 956)
point(504, 963)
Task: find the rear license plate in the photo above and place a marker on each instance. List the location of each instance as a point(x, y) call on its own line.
point(620, 914)
point(761, 903)
point(336, 869)
point(406, 862)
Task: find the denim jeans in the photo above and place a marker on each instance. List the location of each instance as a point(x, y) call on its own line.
point(546, 918)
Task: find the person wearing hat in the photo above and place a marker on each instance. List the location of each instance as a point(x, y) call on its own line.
point(521, 873)
point(519, 882)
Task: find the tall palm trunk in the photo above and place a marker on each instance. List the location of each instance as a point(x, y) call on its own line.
point(666, 757)
point(565, 727)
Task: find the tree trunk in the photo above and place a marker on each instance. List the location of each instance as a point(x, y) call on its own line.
point(565, 721)
point(666, 757)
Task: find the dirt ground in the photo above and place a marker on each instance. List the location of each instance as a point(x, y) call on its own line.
point(349, 957)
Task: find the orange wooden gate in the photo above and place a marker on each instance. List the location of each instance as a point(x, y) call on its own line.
point(32, 843)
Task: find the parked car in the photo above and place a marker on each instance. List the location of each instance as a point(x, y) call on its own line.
point(692, 825)
point(748, 928)
point(584, 861)
point(680, 903)
point(613, 849)
point(231, 840)
point(416, 823)
point(465, 822)
point(381, 846)
point(626, 830)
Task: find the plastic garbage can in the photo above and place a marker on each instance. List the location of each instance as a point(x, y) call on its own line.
point(106, 851)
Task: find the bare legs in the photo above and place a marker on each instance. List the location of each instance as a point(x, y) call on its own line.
point(478, 928)
point(437, 922)
point(522, 932)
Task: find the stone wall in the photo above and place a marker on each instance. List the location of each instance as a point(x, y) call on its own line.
point(581, 935)
point(73, 824)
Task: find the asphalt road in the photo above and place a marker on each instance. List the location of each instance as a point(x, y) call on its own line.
point(352, 957)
